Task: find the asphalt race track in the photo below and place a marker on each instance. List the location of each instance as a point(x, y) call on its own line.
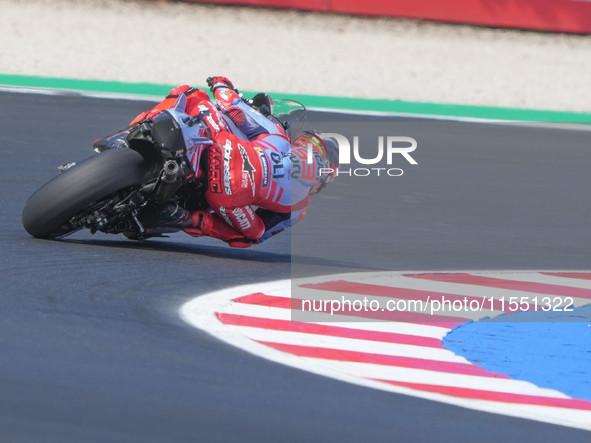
point(92, 347)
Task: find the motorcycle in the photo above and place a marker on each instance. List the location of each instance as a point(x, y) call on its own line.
point(137, 171)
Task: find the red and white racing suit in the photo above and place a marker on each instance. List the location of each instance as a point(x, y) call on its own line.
point(258, 184)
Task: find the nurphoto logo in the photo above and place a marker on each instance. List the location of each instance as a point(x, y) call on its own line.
point(394, 145)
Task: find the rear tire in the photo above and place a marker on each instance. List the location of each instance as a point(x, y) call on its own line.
point(78, 188)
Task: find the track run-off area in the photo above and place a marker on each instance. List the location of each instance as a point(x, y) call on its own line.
point(94, 347)
point(398, 350)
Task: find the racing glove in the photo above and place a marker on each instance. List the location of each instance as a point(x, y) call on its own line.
point(219, 82)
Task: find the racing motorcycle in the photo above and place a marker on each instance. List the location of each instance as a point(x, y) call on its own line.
point(137, 171)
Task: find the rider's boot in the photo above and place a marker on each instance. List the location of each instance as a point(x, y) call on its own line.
point(173, 216)
point(200, 223)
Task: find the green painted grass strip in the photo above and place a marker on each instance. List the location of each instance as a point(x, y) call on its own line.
point(313, 101)
point(28, 81)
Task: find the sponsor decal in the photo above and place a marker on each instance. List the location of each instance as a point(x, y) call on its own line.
point(301, 169)
point(224, 215)
point(277, 165)
point(215, 171)
point(227, 158)
point(296, 166)
point(209, 118)
point(266, 167)
point(248, 169)
point(242, 218)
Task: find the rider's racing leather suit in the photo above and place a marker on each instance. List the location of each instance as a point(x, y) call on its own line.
point(258, 184)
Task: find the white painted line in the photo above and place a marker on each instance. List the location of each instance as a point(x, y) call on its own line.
point(534, 125)
point(377, 326)
point(347, 344)
point(406, 375)
point(80, 93)
point(156, 99)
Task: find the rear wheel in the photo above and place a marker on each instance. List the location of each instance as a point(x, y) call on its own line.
point(80, 190)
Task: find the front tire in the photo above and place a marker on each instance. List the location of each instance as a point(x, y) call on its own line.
point(81, 186)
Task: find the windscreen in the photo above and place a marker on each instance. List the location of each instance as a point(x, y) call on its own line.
point(292, 112)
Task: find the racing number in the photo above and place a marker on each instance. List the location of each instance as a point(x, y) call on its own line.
point(296, 167)
point(277, 165)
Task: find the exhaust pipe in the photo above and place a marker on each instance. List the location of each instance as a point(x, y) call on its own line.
point(170, 172)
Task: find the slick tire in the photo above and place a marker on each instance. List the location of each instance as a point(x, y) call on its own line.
point(79, 187)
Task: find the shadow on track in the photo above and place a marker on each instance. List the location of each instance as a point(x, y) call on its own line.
point(223, 252)
point(184, 248)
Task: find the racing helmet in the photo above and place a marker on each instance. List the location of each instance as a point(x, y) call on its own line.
point(326, 155)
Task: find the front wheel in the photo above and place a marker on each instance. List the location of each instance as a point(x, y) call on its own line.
point(48, 211)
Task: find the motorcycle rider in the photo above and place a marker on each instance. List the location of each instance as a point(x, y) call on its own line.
point(251, 164)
